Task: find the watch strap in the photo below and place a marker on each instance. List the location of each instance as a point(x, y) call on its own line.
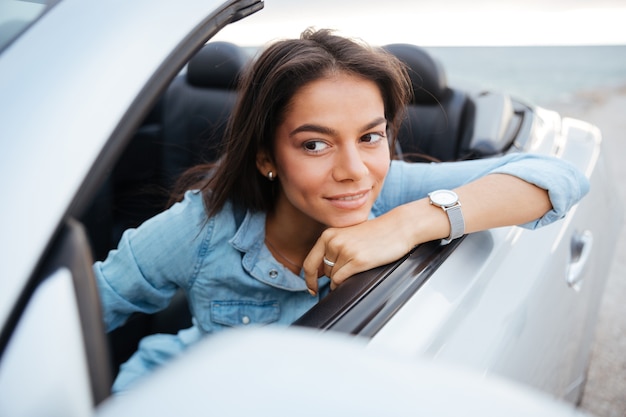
point(457, 223)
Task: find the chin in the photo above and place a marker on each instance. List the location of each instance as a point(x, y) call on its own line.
point(347, 220)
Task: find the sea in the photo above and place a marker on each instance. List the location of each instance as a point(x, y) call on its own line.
point(539, 75)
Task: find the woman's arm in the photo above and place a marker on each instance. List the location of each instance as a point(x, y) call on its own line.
point(493, 200)
point(152, 262)
point(500, 200)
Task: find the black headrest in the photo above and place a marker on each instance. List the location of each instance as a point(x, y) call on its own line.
point(430, 84)
point(216, 65)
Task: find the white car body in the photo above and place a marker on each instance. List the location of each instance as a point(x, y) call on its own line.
point(515, 304)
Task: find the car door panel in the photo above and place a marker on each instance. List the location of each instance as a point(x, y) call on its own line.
point(502, 302)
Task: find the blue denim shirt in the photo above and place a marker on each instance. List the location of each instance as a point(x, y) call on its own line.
point(231, 278)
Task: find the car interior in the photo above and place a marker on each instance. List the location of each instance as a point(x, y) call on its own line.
point(185, 128)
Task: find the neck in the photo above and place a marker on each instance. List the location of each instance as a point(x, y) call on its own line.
point(289, 234)
point(291, 237)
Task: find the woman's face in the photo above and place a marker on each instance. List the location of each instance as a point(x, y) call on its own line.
point(331, 151)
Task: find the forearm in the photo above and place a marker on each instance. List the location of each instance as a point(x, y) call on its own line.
point(501, 200)
point(492, 201)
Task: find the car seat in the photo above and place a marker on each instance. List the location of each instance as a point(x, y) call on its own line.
point(197, 106)
point(439, 120)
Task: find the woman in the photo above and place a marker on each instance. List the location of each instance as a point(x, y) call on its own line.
point(306, 195)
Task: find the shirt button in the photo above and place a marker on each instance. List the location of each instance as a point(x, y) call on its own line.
point(245, 320)
point(273, 273)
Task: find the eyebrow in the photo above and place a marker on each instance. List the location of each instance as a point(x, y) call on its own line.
point(310, 127)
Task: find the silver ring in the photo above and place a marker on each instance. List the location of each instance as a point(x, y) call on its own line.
point(329, 263)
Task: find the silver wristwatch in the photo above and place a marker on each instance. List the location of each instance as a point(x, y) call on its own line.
point(449, 202)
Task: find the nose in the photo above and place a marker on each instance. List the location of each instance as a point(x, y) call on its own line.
point(349, 164)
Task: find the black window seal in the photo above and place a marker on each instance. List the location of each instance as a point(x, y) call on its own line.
point(367, 301)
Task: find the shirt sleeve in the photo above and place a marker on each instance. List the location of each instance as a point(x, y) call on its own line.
point(152, 261)
point(407, 182)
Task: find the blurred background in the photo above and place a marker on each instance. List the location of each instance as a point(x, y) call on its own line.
point(565, 55)
point(548, 53)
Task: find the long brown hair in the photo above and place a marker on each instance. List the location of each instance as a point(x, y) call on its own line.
point(265, 90)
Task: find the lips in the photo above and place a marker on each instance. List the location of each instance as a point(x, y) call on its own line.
point(349, 201)
point(351, 197)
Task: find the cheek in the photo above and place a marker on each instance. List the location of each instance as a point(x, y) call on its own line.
point(304, 177)
point(379, 165)
point(294, 172)
point(382, 171)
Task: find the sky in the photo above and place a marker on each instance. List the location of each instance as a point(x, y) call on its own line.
point(441, 22)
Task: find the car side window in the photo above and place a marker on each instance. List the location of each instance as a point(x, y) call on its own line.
point(47, 347)
point(58, 339)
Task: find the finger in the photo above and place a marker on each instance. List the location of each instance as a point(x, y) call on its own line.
point(342, 272)
point(331, 271)
point(311, 265)
point(328, 264)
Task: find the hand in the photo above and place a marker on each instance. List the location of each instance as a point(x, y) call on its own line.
point(356, 248)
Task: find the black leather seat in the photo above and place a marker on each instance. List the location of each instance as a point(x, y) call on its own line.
point(439, 120)
point(197, 106)
point(132, 192)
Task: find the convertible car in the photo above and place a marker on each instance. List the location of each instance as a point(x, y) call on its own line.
point(105, 103)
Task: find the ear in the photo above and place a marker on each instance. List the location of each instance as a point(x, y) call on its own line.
point(264, 163)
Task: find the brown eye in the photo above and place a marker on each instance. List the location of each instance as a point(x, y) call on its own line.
point(372, 137)
point(314, 146)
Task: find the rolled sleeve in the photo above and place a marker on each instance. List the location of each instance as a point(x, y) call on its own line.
point(565, 184)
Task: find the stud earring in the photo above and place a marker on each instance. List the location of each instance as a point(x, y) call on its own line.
point(270, 175)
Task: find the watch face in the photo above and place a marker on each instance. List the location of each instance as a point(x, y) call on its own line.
point(444, 197)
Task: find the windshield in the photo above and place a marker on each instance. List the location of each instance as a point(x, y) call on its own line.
point(17, 15)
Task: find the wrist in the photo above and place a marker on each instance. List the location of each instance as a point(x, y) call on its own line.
point(448, 202)
point(422, 222)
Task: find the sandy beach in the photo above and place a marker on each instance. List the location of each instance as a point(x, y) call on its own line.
point(605, 391)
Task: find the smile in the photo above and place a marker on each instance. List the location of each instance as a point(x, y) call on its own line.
point(351, 197)
point(351, 200)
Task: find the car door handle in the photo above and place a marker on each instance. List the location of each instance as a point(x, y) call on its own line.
point(580, 251)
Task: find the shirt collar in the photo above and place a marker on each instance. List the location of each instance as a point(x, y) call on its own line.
point(251, 233)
